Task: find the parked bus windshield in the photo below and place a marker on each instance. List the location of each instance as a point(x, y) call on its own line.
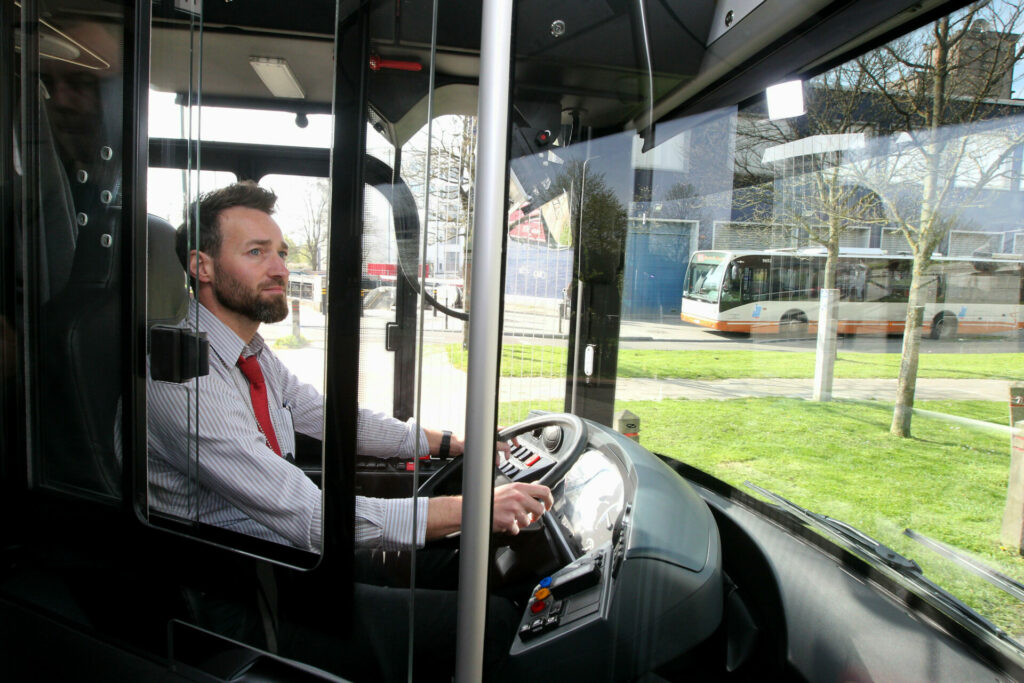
point(704, 276)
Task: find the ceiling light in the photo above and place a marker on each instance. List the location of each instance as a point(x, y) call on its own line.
point(785, 100)
point(277, 76)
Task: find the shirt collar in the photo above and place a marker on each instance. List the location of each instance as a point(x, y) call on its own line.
point(227, 345)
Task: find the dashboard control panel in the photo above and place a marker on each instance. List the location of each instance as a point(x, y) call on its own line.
point(528, 460)
point(641, 583)
point(568, 596)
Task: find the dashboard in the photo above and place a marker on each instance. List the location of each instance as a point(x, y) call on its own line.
point(639, 582)
point(621, 575)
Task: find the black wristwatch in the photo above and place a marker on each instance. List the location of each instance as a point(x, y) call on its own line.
point(446, 445)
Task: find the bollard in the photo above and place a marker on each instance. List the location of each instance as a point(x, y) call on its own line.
point(825, 351)
point(627, 424)
point(1013, 514)
point(295, 318)
point(1016, 403)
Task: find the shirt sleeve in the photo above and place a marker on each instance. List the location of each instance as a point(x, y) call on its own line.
point(387, 524)
point(383, 436)
point(232, 459)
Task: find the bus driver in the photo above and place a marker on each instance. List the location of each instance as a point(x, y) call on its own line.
point(251, 404)
point(240, 279)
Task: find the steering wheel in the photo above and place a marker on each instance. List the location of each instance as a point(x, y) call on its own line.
point(561, 439)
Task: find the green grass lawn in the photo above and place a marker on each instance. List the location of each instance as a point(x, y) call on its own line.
point(996, 412)
point(530, 360)
point(947, 481)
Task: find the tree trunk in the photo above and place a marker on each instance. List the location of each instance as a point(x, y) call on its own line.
point(828, 312)
point(907, 383)
point(467, 287)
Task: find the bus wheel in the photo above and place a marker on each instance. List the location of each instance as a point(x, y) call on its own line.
point(793, 325)
point(944, 326)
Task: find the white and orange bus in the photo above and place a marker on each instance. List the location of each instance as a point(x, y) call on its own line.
point(777, 292)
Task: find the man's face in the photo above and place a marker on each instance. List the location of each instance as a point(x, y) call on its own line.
point(74, 104)
point(250, 276)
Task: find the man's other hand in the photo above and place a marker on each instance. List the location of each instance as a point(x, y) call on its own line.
point(517, 505)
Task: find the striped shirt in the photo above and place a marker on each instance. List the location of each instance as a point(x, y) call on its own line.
point(209, 462)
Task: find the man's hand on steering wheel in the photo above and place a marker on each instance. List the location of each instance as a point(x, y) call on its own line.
point(518, 505)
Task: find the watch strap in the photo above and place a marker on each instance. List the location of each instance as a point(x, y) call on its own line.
point(444, 450)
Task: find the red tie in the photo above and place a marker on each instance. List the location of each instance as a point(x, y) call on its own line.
point(258, 392)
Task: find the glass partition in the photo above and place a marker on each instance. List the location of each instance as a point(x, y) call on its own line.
point(69, 236)
point(704, 250)
point(247, 281)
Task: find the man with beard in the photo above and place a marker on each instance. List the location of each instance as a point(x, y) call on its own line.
point(241, 475)
point(227, 463)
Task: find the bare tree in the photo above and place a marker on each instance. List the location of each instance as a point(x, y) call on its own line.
point(951, 137)
point(795, 185)
point(452, 176)
point(798, 173)
point(311, 237)
point(451, 166)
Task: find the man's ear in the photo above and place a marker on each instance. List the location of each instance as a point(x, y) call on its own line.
point(201, 266)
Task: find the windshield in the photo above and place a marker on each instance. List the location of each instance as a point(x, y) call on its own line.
point(746, 391)
point(704, 277)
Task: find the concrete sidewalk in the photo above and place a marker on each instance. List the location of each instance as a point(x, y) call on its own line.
point(308, 364)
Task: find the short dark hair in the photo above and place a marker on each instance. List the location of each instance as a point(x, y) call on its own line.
point(208, 208)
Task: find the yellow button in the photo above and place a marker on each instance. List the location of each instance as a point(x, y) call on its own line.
point(542, 593)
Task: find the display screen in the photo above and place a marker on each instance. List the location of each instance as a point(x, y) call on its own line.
point(588, 502)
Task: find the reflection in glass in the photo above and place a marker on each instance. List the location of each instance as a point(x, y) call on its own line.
point(896, 188)
point(73, 147)
point(589, 501)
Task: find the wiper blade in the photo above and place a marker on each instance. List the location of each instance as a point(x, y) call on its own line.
point(997, 579)
point(904, 566)
point(850, 534)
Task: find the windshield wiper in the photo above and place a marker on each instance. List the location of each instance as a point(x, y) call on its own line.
point(849, 534)
point(997, 579)
point(902, 565)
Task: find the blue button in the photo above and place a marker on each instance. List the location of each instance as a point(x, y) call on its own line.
point(545, 582)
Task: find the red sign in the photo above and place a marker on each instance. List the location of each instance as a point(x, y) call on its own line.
point(390, 269)
point(527, 228)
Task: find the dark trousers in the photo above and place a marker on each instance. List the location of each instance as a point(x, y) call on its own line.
point(392, 623)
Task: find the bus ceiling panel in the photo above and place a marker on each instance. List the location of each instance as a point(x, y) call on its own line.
point(458, 24)
point(611, 34)
point(315, 17)
point(587, 56)
point(228, 73)
point(781, 39)
point(602, 98)
point(594, 57)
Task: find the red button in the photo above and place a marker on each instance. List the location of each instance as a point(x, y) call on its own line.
point(410, 466)
point(538, 606)
point(531, 461)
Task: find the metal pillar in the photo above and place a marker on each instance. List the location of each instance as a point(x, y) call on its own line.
point(482, 384)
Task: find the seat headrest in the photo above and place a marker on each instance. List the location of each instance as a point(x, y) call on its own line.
point(166, 285)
